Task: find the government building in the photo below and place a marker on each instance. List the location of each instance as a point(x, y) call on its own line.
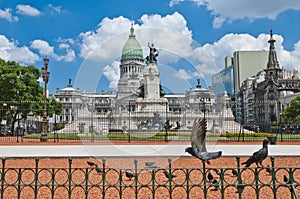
point(139, 104)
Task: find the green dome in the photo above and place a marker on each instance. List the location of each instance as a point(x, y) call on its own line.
point(132, 49)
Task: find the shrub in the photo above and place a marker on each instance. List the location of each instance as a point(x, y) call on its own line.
point(246, 134)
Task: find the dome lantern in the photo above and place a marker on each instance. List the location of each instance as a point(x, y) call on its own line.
point(132, 49)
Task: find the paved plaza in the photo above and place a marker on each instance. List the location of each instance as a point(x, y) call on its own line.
point(138, 150)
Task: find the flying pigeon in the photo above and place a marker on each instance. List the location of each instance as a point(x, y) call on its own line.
point(258, 156)
point(129, 175)
point(169, 175)
point(198, 148)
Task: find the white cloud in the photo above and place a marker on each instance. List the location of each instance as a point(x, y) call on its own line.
point(173, 39)
point(169, 34)
point(218, 22)
point(174, 2)
point(105, 43)
point(45, 49)
point(27, 10)
point(93, 45)
point(246, 9)
point(183, 74)
point(69, 56)
point(112, 73)
point(212, 56)
point(6, 14)
point(9, 50)
point(54, 9)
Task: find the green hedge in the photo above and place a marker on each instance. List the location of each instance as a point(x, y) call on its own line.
point(246, 134)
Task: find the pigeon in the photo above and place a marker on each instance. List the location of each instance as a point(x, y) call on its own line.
point(269, 170)
point(210, 177)
point(234, 172)
point(149, 164)
point(98, 170)
point(129, 175)
point(169, 175)
point(91, 163)
point(258, 156)
point(198, 148)
point(215, 184)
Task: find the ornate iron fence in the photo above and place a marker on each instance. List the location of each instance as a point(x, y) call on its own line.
point(149, 182)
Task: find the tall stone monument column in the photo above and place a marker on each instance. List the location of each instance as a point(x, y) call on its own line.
point(152, 107)
point(152, 75)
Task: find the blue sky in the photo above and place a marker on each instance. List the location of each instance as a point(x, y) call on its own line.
point(84, 39)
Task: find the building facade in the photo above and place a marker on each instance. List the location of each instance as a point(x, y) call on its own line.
point(260, 97)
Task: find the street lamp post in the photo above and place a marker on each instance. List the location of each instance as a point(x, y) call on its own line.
point(45, 74)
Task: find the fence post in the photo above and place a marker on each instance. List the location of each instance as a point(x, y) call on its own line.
point(135, 179)
point(256, 183)
point(120, 183)
point(19, 182)
point(187, 177)
point(153, 183)
point(273, 176)
point(87, 173)
point(240, 186)
point(36, 177)
point(2, 177)
point(103, 177)
point(70, 178)
point(222, 182)
point(204, 179)
point(170, 178)
point(292, 186)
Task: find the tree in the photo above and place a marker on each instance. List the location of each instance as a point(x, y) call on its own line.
point(21, 92)
point(292, 112)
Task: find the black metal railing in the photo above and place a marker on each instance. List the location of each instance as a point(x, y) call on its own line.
point(149, 182)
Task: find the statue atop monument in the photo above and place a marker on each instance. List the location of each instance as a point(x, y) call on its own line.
point(151, 58)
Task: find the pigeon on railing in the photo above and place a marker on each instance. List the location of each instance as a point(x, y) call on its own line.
point(258, 156)
point(169, 175)
point(234, 172)
point(91, 164)
point(98, 170)
point(149, 164)
point(129, 175)
point(198, 148)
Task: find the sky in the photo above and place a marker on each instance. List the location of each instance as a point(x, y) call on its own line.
point(84, 39)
